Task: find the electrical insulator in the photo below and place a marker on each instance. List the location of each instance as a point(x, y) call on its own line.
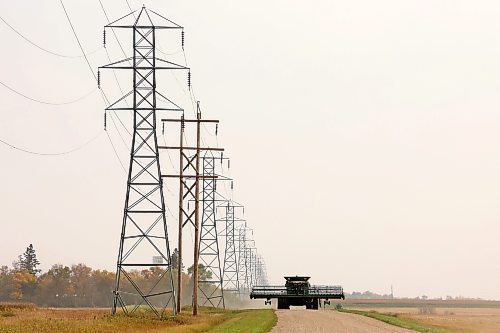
point(229, 164)
point(99, 79)
point(232, 185)
point(104, 37)
point(188, 206)
point(182, 38)
point(189, 80)
point(216, 129)
point(105, 120)
point(221, 157)
point(162, 128)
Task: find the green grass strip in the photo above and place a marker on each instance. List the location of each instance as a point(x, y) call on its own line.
point(395, 320)
point(248, 321)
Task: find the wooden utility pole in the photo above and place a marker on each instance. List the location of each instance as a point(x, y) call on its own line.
point(181, 196)
point(189, 192)
point(197, 216)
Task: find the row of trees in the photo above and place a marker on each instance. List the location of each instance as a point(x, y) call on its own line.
point(61, 286)
point(65, 286)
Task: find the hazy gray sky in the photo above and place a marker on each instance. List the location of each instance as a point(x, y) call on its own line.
point(364, 136)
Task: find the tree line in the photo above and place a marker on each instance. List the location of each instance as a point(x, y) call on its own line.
point(71, 286)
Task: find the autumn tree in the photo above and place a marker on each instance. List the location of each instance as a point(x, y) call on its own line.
point(203, 273)
point(23, 285)
point(28, 261)
point(56, 287)
point(80, 279)
point(174, 259)
point(6, 284)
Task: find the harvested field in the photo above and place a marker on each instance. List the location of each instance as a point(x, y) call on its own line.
point(411, 303)
point(456, 319)
point(40, 320)
point(299, 320)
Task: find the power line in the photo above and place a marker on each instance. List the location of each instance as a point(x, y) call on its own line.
point(130, 8)
point(24, 150)
point(114, 73)
point(105, 99)
point(116, 153)
point(46, 102)
point(118, 131)
point(78, 40)
point(114, 34)
point(42, 48)
point(121, 91)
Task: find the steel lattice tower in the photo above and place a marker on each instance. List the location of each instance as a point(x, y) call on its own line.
point(211, 284)
point(230, 277)
point(243, 273)
point(144, 242)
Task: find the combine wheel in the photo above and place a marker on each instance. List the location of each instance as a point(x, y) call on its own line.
point(283, 304)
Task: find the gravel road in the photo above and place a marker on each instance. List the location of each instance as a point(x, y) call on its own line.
point(299, 320)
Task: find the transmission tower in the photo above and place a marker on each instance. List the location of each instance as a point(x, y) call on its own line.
point(261, 272)
point(144, 242)
point(244, 269)
point(211, 284)
point(251, 260)
point(231, 281)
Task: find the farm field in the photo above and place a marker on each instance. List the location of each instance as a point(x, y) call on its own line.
point(40, 320)
point(451, 316)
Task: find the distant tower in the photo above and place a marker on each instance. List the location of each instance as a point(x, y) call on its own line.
point(231, 281)
point(210, 285)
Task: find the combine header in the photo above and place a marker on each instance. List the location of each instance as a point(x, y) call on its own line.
point(298, 292)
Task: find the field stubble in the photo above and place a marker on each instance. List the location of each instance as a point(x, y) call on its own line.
point(453, 319)
point(40, 320)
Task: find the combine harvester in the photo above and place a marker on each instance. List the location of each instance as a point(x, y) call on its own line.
point(298, 292)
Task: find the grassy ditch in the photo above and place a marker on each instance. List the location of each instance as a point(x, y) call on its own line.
point(14, 319)
point(397, 320)
point(247, 321)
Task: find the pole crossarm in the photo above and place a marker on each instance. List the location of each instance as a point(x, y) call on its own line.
point(190, 121)
point(123, 104)
point(190, 176)
point(119, 65)
point(190, 148)
point(146, 18)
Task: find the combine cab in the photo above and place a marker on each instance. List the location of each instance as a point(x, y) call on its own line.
point(298, 292)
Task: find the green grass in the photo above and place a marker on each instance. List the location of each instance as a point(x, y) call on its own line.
point(247, 321)
point(394, 319)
